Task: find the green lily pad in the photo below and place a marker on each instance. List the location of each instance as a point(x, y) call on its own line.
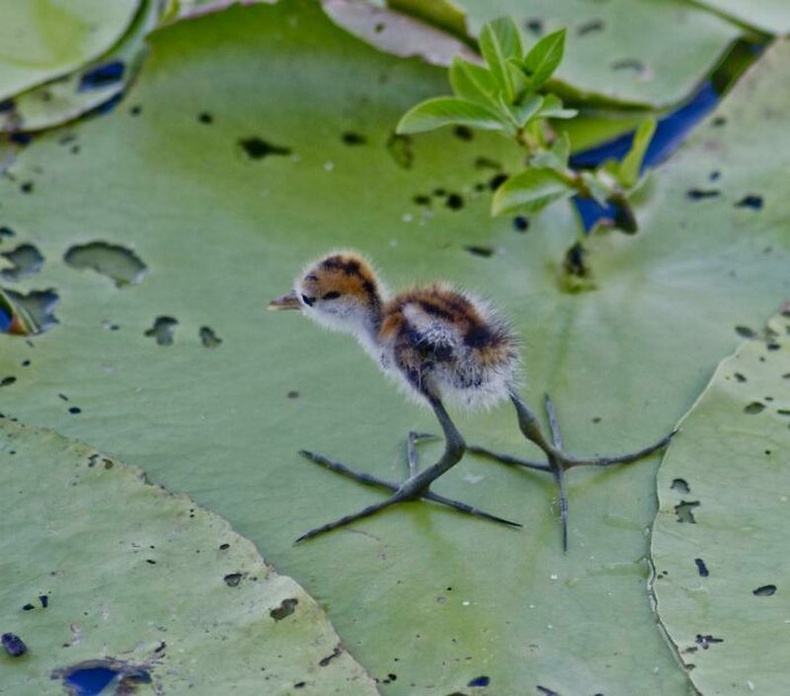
point(258, 138)
point(769, 16)
point(44, 40)
point(91, 84)
point(104, 571)
point(618, 49)
point(720, 538)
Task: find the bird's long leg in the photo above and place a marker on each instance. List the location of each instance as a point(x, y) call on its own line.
point(415, 487)
point(558, 462)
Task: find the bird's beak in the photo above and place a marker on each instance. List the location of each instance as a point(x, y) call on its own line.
point(289, 301)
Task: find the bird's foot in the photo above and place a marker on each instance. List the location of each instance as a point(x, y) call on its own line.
point(557, 461)
point(411, 489)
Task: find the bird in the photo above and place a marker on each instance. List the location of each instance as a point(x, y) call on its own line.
point(439, 344)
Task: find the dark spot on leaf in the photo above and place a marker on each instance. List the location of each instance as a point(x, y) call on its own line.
point(496, 181)
point(714, 175)
point(26, 187)
point(7, 381)
point(702, 569)
point(300, 685)
point(206, 118)
point(463, 133)
point(680, 485)
point(293, 394)
point(745, 332)
point(116, 262)
point(351, 138)
point(224, 547)
point(487, 163)
point(102, 76)
point(683, 511)
point(257, 148)
point(521, 223)
point(233, 579)
point(421, 199)
point(28, 607)
point(718, 121)
point(590, 26)
point(764, 591)
point(208, 338)
point(26, 259)
point(150, 561)
point(13, 644)
point(546, 691)
point(399, 148)
point(439, 192)
point(738, 376)
point(480, 681)
point(751, 201)
point(455, 201)
point(700, 194)
point(707, 640)
point(5, 232)
point(162, 330)
point(754, 407)
point(74, 410)
point(286, 608)
point(534, 25)
point(136, 110)
point(324, 661)
point(380, 26)
point(629, 64)
point(484, 251)
point(574, 263)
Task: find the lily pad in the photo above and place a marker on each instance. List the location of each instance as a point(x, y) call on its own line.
point(769, 16)
point(258, 138)
point(105, 573)
point(720, 538)
point(45, 40)
point(618, 49)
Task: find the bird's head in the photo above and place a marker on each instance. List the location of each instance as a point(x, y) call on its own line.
point(339, 291)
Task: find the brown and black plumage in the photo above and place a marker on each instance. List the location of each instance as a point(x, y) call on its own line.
point(440, 345)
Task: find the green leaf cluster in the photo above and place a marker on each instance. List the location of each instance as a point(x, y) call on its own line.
point(508, 94)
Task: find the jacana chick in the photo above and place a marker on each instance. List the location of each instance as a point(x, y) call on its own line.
point(439, 344)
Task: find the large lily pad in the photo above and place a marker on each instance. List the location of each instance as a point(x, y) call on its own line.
point(257, 138)
point(122, 579)
point(720, 538)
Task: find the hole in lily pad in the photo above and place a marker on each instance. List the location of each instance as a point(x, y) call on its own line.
point(286, 608)
point(680, 485)
point(27, 315)
point(102, 76)
point(13, 644)
point(162, 330)
point(117, 262)
point(92, 677)
point(5, 232)
point(745, 332)
point(705, 641)
point(27, 260)
point(684, 513)
point(764, 591)
point(480, 681)
point(233, 579)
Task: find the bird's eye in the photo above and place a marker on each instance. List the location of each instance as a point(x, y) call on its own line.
point(308, 300)
point(331, 295)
